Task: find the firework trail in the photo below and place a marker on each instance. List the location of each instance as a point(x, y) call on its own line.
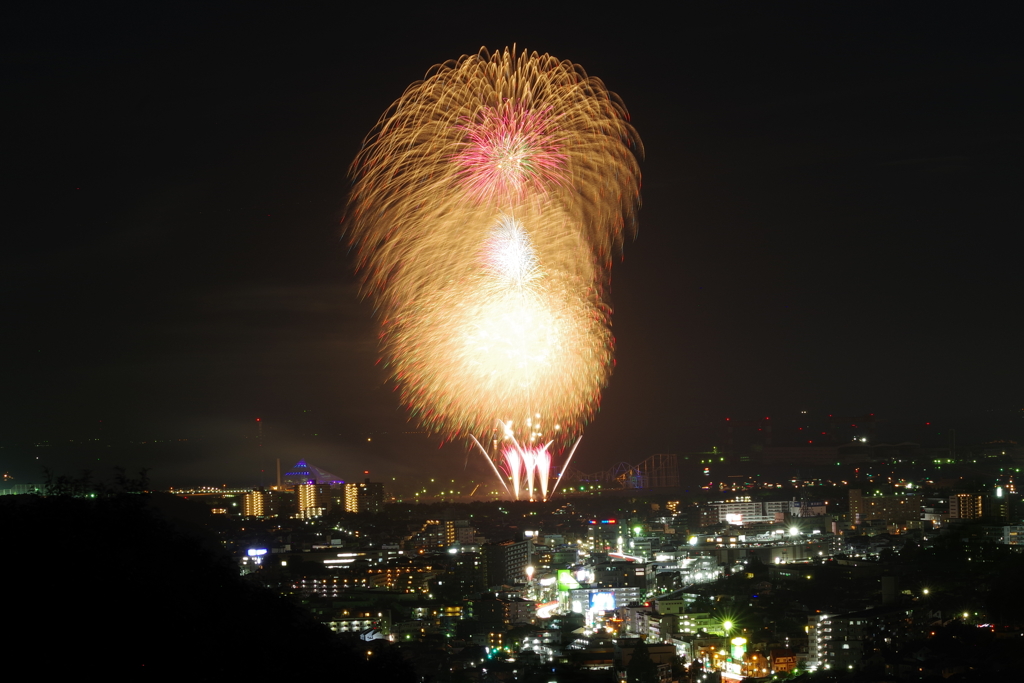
point(486, 207)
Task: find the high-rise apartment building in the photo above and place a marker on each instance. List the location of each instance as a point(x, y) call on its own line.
point(364, 497)
point(507, 561)
point(314, 500)
point(966, 506)
point(254, 504)
point(892, 509)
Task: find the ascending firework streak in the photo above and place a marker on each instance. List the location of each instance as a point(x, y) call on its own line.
point(487, 204)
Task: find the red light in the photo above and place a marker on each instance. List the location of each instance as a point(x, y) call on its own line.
point(257, 419)
point(366, 471)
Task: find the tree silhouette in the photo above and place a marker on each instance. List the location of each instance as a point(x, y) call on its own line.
point(641, 668)
point(154, 596)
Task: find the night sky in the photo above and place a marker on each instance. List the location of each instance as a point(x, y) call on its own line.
point(830, 223)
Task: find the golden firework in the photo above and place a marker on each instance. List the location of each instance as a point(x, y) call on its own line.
point(487, 204)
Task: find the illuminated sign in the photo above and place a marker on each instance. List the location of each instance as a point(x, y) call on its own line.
point(631, 558)
point(602, 602)
point(739, 646)
point(565, 580)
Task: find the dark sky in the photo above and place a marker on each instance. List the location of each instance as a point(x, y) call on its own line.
point(830, 222)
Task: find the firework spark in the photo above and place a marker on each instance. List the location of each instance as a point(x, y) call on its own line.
point(509, 254)
point(510, 152)
point(486, 206)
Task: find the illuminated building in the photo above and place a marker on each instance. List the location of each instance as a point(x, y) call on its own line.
point(406, 578)
point(739, 511)
point(965, 506)
point(891, 509)
point(304, 473)
point(358, 621)
point(20, 489)
point(755, 664)
point(695, 622)
point(1012, 535)
point(506, 562)
point(743, 511)
point(617, 574)
point(496, 612)
point(673, 603)
point(254, 504)
point(783, 660)
point(935, 510)
point(844, 641)
point(470, 573)
point(604, 534)
point(327, 587)
point(430, 536)
point(582, 600)
point(366, 496)
point(695, 568)
point(459, 531)
point(598, 653)
point(314, 500)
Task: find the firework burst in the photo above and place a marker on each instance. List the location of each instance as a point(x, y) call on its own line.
point(510, 153)
point(486, 206)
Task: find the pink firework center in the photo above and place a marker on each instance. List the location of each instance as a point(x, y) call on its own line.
point(527, 468)
point(510, 153)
